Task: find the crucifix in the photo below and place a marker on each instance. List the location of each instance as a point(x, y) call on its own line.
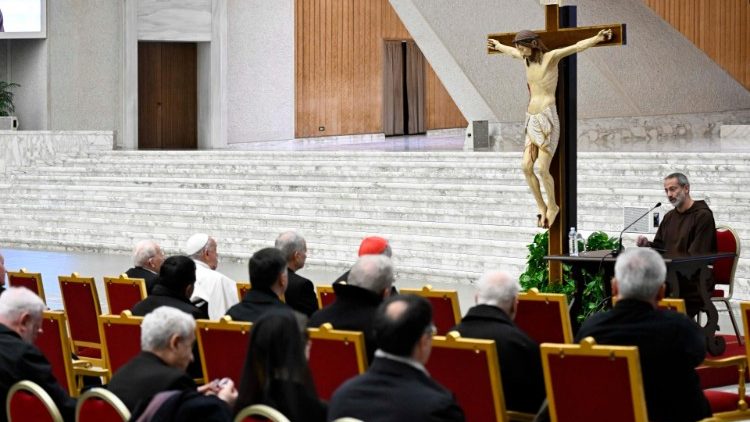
point(553, 90)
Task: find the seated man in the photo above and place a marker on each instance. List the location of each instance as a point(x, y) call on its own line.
point(397, 387)
point(268, 276)
point(173, 288)
point(211, 286)
point(519, 356)
point(670, 345)
point(372, 245)
point(167, 337)
point(300, 292)
point(147, 260)
point(688, 229)
point(370, 281)
point(20, 324)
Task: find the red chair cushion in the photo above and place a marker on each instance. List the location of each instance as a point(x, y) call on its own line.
point(332, 362)
point(29, 283)
point(123, 343)
point(442, 314)
point(722, 401)
point(50, 343)
point(327, 298)
point(222, 361)
point(466, 374)
point(719, 377)
point(123, 296)
point(25, 406)
point(725, 242)
point(717, 293)
point(81, 311)
point(97, 410)
point(604, 382)
point(540, 320)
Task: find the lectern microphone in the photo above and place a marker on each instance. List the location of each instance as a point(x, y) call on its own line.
point(619, 242)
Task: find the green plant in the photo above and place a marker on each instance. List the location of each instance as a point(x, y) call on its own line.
point(537, 273)
point(6, 98)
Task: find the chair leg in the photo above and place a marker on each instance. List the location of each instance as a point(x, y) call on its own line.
point(734, 322)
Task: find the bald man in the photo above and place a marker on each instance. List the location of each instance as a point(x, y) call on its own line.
point(520, 361)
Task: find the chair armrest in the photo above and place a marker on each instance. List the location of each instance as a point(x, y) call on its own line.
point(514, 416)
point(741, 363)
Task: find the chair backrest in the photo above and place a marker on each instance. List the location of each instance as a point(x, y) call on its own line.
point(544, 316)
point(242, 288)
point(100, 405)
point(335, 356)
point(123, 292)
point(218, 358)
point(326, 295)
point(470, 369)
point(745, 309)
point(673, 304)
point(609, 377)
point(28, 402)
point(81, 304)
point(121, 339)
point(445, 310)
point(727, 240)
point(259, 413)
point(32, 281)
point(55, 345)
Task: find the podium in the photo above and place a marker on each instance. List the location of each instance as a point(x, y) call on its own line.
point(682, 270)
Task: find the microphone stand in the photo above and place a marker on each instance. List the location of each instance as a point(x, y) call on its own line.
point(619, 242)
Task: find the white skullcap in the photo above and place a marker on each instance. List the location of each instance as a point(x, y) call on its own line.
point(195, 243)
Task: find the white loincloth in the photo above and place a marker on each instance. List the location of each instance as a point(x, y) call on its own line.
point(543, 129)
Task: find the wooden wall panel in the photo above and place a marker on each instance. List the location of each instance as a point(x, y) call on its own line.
point(339, 69)
point(718, 27)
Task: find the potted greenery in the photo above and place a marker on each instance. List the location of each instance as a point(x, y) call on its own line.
point(7, 120)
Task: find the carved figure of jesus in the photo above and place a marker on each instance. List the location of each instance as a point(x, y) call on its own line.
point(542, 125)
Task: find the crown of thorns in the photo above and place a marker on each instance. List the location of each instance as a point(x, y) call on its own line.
point(525, 35)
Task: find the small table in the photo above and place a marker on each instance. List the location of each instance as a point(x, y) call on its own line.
point(680, 268)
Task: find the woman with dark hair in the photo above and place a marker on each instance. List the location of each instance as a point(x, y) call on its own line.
point(173, 287)
point(276, 372)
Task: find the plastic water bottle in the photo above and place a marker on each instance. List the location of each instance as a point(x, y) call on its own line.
point(573, 242)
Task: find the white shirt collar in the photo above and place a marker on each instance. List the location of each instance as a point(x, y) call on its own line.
point(408, 361)
point(201, 263)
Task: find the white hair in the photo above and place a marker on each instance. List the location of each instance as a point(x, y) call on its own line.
point(17, 301)
point(372, 272)
point(640, 272)
point(161, 324)
point(497, 288)
point(290, 242)
point(143, 251)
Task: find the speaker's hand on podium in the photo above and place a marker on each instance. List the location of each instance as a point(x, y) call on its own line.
point(642, 241)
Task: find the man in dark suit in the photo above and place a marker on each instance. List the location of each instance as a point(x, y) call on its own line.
point(268, 277)
point(300, 294)
point(370, 281)
point(147, 260)
point(20, 324)
point(167, 337)
point(670, 345)
point(519, 356)
point(397, 386)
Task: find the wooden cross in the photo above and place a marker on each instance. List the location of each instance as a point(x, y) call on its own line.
point(560, 31)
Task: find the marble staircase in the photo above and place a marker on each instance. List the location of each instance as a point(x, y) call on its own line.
point(449, 215)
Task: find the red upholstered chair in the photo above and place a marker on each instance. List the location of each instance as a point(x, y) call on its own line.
point(326, 295)
point(55, 344)
point(28, 402)
point(218, 358)
point(587, 382)
point(677, 305)
point(335, 356)
point(81, 304)
point(100, 405)
point(242, 288)
point(445, 310)
point(260, 413)
point(470, 369)
point(544, 317)
point(32, 281)
point(121, 339)
point(727, 240)
point(123, 292)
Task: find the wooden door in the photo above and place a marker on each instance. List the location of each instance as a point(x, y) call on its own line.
point(167, 95)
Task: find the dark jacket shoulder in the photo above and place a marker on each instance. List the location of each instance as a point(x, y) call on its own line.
point(300, 294)
point(255, 303)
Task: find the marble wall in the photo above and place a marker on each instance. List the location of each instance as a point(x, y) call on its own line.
point(22, 148)
point(174, 20)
